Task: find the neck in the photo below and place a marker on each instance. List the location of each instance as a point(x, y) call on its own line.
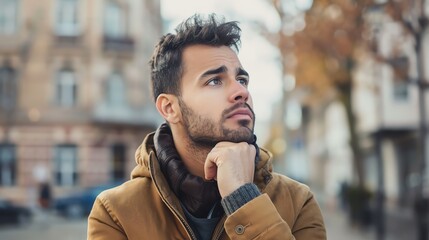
point(192, 155)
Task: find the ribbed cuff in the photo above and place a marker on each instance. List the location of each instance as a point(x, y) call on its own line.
point(239, 197)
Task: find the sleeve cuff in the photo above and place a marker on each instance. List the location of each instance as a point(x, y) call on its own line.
point(239, 197)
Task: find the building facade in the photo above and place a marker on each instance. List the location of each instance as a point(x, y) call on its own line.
point(390, 109)
point(74, 91)
point(387, 109)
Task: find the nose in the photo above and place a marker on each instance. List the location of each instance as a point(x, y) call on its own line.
point(239, 92)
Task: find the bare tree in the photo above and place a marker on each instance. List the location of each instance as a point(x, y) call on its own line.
point(415, 21)
point(326, 52)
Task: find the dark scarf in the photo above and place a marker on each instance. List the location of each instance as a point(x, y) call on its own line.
point(197, 195)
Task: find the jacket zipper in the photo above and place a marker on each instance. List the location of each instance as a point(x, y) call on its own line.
point(183, 221)
point(219, 229)
point(175, 212)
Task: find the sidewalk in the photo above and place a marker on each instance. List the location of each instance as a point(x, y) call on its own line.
point(338, 227)
point(46, 226)
point(399, 225)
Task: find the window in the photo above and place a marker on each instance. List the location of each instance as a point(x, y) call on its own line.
point(66, 88)
point(114, 20)
point(400, 90)
point(67, 22)
point(115, 91)
point(8, 16)
point(118, 154)
point(65, 165)
point(7, 165)
point(7, 88)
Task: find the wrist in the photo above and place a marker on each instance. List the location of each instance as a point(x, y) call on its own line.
point(240, 197)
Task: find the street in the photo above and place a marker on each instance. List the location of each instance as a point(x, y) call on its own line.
point(338, 228)
point(46, 227)
point(49, 226)
point(399, 225)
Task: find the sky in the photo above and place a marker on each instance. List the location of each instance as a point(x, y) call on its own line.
point(257, 56)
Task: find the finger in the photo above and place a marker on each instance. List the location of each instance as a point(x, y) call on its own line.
point(253, 149)
point(210, 172)
point(210, 169)
point(222, 144)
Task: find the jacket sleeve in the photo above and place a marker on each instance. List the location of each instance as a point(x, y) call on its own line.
point(101, 224)
point(259, 219)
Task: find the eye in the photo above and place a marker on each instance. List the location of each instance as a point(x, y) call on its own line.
point(214, 82)
point(243, 81)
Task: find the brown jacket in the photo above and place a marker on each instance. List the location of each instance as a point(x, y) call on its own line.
point(146, 208)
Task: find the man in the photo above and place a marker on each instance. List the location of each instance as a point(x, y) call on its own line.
point(201, 174)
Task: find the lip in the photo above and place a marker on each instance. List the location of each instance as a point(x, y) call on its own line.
point(240, 112)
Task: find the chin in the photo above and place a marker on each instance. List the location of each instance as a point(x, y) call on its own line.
point(240, 134)
point(245, 123)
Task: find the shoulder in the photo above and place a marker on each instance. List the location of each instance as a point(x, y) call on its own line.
point(290, 184)
point(127, 201)
point(119, 208)
point(128, 191)
point(293, 200)
point(117, 201)
point(288, 193)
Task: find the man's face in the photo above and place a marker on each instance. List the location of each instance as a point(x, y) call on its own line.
point(215, 102)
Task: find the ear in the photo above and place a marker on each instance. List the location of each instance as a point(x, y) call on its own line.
point(168, 107)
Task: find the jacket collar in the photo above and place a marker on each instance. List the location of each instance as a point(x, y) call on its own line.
point(196, 194)
point(146, 159)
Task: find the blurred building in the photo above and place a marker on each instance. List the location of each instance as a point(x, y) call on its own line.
point(387, 111)
point(290, 153)
point(74, 91)
point(329, 146)
point(388, 108)
point(316, 148)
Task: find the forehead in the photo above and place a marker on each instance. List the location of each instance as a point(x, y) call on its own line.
point(200, 58)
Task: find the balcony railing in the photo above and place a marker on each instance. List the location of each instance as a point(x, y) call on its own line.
point(68, 41)
point(123, 44)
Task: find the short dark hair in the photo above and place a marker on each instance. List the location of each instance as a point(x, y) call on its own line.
point(166, 62)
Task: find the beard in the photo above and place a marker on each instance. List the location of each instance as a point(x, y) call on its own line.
point(206, 132)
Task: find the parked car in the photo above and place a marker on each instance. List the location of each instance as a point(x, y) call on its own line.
point(11, 214)
point(79, 204)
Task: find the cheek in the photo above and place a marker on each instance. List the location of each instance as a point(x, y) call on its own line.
point(209, 109)
point(205, 102)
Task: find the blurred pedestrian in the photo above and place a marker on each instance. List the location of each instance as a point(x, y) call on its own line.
point(45, 203)
point(343, 195)
point(201, 175)
point(45, 195)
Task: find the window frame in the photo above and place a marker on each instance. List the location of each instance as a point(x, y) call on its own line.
point(116, 90)
point(115, 24)
point(400, 90)
point(67, 19)
point(66, 88)
point(9, 14)
point(8, 87)
point(8, 169)
point(66, 167)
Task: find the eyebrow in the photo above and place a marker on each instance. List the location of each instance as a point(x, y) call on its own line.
point(223, 69)
point(241, 71)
